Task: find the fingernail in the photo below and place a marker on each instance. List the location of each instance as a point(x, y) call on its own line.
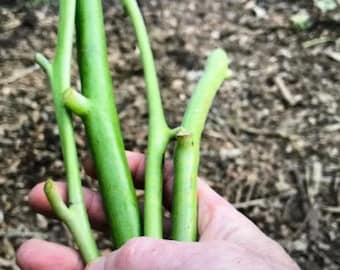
point(97, 265)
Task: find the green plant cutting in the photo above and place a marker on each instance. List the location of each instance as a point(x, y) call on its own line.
point(95, 104)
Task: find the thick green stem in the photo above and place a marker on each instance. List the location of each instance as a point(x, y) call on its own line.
point(184, 213)
point(186, 160)
point(102, 124)
point(59, 73)
point(159, 132)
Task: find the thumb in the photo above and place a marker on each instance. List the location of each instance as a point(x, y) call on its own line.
point(147, 253)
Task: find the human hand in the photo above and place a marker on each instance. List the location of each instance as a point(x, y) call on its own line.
point(227, 239)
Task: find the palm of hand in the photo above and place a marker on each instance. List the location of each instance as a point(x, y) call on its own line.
point(228, 240)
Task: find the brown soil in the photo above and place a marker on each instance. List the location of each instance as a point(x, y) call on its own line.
point(272, 141)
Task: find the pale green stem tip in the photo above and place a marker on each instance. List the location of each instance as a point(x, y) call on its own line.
point(44, 64)
point(56, 201)
point(218, 61)
point(76, 102)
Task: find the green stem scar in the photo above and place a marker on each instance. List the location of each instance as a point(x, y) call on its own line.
point(76, 102)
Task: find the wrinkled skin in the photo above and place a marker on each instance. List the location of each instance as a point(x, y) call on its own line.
point(228, 240)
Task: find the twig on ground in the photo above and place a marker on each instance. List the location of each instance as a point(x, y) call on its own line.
point(333, 55)
point(265, 132)
point(315, 42)
point(18, 74)
point(7, 263)
point(331, 209)
point(22, 234)
point(332, 127)
point(226, 135)
point(261, 202)
point(257, 202)
point(285, 92)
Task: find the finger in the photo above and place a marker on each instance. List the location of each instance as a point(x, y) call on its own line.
point(41, 255)
point(216, 218)
point(93, 202)
point(37, 199)
point(147, 253)
point(220, 220)
point(136, 162)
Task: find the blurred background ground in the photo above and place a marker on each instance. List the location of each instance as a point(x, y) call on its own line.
point(272, 141)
